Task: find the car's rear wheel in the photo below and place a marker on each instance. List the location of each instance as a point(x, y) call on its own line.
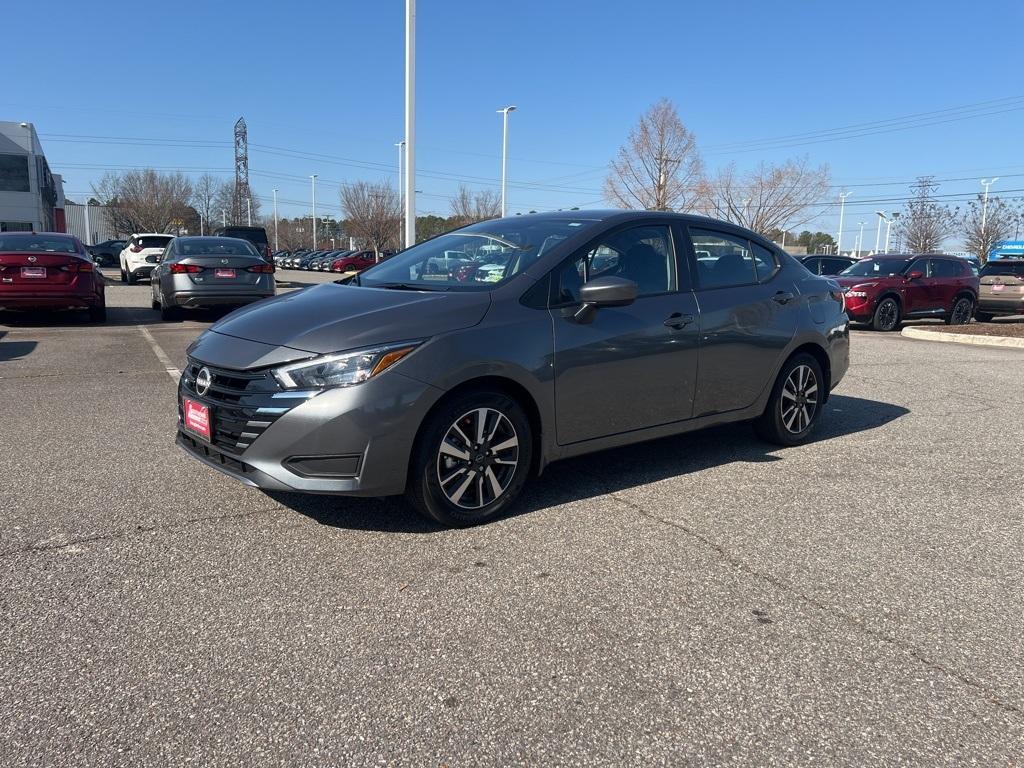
point(130, 278)
point(471, 459)
point(98, 313)
point(983, 317)
point(795, 403)
point(124, 275)
point(168, 312)
point(887, 315)
point(961, 313)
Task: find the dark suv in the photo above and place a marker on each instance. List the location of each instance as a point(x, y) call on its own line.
point(255, 235)
point(883, 290)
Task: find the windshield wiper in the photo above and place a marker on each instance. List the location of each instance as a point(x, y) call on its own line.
point(406, 287)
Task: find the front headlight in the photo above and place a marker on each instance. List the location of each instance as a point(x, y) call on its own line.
point(341, 370)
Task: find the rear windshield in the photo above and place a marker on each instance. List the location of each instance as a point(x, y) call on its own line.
point(876, 267)
point(1003, 268)
point(215, 246)
point(252, 235)
point(155, 241)
point(42, 243)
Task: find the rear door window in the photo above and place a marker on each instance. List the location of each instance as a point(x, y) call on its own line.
point(944, 268)
point(723, 260)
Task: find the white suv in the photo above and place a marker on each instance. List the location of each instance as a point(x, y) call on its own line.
point(141, 254)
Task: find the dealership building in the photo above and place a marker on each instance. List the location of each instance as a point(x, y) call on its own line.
point(31, 197)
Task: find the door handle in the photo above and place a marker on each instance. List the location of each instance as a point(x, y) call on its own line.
point(783, 297)
point(678, 321)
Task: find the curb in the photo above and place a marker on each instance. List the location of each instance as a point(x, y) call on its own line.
point(912, 332)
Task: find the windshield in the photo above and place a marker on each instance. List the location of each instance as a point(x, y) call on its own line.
point(215, 246)
point(876, 268)
point(47, 243)
point(1009, 268)
point(475, 257)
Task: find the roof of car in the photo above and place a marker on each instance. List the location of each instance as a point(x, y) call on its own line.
point(150, 234)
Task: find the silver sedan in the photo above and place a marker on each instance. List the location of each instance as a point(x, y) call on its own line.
point(209, 272)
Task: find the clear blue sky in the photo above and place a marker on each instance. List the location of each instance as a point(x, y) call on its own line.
point(326, 79)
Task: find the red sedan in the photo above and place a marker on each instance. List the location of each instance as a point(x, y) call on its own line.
point(48, 270)
point(354, 262)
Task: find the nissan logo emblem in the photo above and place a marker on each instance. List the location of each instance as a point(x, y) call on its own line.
point(33, 259)
point(223, 261)
point(203, 381)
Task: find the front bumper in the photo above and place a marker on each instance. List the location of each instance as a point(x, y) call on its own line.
point(354, 440)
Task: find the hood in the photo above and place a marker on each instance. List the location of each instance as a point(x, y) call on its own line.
point(332, 318)
point(849, 282)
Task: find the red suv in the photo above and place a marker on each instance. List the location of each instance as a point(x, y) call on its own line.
point(49, 271)
point(883, 290)
point(354, 262)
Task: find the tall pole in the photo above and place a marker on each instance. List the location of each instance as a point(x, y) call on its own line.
point(200, 223)
point(842, 209)
point(276, 246)
point(888, 226)
point(223, 217)
point(313, 179)
point(504, 155)
point(860, 238)
point(401, 224)
point(784, 239)
point(410, 122)
point(878, 234)
point(248, 211)
point(986, 183)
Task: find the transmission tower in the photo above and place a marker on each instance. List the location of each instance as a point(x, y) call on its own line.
point(240, 200)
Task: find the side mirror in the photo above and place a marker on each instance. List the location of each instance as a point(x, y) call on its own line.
point(604, 292)
point(917, 274)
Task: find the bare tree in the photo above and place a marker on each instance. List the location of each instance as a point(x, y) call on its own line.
point(770, 197)
point(658, 168)
point(146, 201)
point(468, 207)
point(373, 213)
point(925, 222)
point(982, 228)
point(206, 192)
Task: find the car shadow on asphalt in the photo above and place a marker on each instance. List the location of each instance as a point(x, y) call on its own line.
point(116, 317)
point(605, 472)
point(14, 350)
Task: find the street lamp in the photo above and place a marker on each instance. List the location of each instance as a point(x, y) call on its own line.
point(410, 122)
point(312, 178)
point(986, 183)
point(401, 224)
point(276, 246)
point(223, 217)
point(504, 154)
point(248, 211)
point(878, 234)
point(200, 219)
point(860, 238)
point(842, 210)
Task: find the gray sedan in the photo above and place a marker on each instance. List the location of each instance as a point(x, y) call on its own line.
point(454, 385)
point(209, 272)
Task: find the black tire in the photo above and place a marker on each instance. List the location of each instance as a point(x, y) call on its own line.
point(155, 304)
point(130, 278)
point(961, 312)
point(124, 275)
point(887, 315)
point(436, 477)
point(983, 317)
point(98, 314)
point(779, 424)
point(169, 313)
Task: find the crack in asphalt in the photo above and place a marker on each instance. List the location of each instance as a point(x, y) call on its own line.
point(124, 534)
point(988, 694)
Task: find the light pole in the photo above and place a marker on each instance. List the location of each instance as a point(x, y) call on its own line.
point(248, 211)
point(401, 224)
point(223, 217)
point(860, 238)
point(878, 234)
point(312, 178)
point(986, 183)
point(410, 122)
point(276, 246)
point(842, 210)
point(504, 154)
point(784, 239)
point(201, 233)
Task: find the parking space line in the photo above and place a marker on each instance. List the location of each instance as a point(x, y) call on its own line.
point(171, 369)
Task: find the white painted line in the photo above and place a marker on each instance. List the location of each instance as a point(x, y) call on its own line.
point(172, 371)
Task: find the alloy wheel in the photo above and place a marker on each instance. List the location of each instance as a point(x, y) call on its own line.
point(799, 401)
point(961, 313)
point(477, 458)
point(887, 315)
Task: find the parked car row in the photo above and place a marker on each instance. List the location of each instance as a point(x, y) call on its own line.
point(335, 260)
point(56, 271)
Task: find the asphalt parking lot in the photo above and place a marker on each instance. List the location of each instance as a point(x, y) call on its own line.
point(707, 599)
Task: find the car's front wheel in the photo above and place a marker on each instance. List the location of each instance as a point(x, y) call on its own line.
point(887, 315)
point(961, 313)
point(471, 459)
point(795, 403)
